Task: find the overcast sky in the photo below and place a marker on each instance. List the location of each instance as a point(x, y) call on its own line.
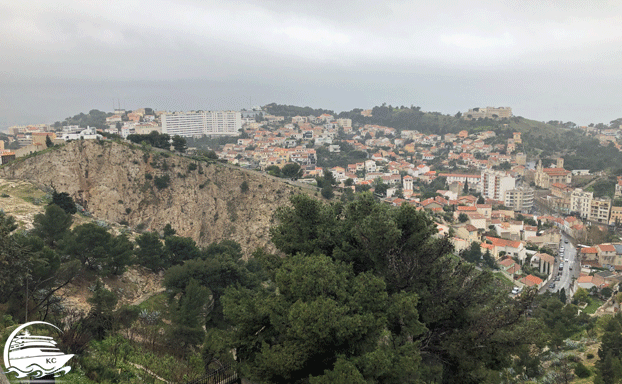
point(548, 60)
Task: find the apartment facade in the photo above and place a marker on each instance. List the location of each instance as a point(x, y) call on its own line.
point(196, 124)
point(599, 210)
point(519, 199)
point(495, 184)
point(580, 201)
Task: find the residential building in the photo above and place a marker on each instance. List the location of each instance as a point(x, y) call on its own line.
point(532, 281)
point(495, 184)
point(474, 181)
point(519, 199)
point(599, 210)
point(40, 138)
point(588, 282)
point(507, 247)
point(607, 254)
point(581, 201)
point(6, 157)
point(616, 216)
point(196, 124)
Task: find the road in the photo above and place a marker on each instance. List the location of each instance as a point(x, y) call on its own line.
point(566, 278)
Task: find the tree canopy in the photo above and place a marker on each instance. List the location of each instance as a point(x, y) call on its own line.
point(458, 322)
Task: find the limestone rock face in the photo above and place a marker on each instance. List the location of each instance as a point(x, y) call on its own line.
point(117, 182)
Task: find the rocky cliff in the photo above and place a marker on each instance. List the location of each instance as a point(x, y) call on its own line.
point(118, 182)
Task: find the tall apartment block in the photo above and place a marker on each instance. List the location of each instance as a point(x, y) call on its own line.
point(196, 124)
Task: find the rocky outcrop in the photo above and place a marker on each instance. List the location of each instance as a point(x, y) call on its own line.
point(118, 182)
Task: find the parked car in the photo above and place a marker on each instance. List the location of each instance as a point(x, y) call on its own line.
point(566, 241)
point(557, 278)
point(552, 285)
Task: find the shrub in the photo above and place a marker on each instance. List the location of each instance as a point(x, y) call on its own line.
point(162, 182)
point(128, 210)
point(4, 195)
point(244, 186)
point(582, 371)
point(148, 176)
point(192, 167)
point(590, 355)
point(120, 201)
point(141, 227)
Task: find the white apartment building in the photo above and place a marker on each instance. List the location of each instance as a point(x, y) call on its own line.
point(519, 199)
point(474, 181)
point(495, 184)
point(196, 124)
point(580, 201)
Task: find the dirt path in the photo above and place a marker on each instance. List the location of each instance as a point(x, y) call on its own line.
point(151, 373)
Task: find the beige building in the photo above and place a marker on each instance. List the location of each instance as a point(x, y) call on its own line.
point(39, 138)
point(599, 209)
point(519, 199)
point(545, 177)
point(616, 216)
point(488, 112)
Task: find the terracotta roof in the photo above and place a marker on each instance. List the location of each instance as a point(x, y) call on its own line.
point(507, 262)
point(497, 242)
point(464, 208)
point(513, 269)
point(531, 280)
point(546, 257)
point(555, 171)
point(470, 228)
point(589, 250)
point(606, 247)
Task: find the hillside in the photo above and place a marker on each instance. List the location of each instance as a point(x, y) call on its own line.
point(120, 183)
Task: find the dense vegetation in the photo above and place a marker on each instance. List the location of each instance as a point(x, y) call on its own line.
point(94, 118)
point(362, 293)
point(292, 110)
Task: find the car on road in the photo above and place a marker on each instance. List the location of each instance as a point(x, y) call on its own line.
point(552, 285)
point(566, 241)
point(516, 290)
point(566, 259)
point(557, 278)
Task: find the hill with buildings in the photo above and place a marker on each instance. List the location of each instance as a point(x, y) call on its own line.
point(145, 189)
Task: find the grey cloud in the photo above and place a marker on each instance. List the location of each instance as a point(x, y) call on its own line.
point(548, 60)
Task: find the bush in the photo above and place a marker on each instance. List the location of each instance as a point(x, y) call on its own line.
point(148, 176)
point(162, 182)
point(582, 371)
point(128, 210)
point(244, 186)
point(590, 355)
point(192, 167)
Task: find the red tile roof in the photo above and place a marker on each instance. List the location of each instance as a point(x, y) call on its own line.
point(606, 247)
point(531, 280)
point(508, 262)
point(464, 208)
point(497, 242)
